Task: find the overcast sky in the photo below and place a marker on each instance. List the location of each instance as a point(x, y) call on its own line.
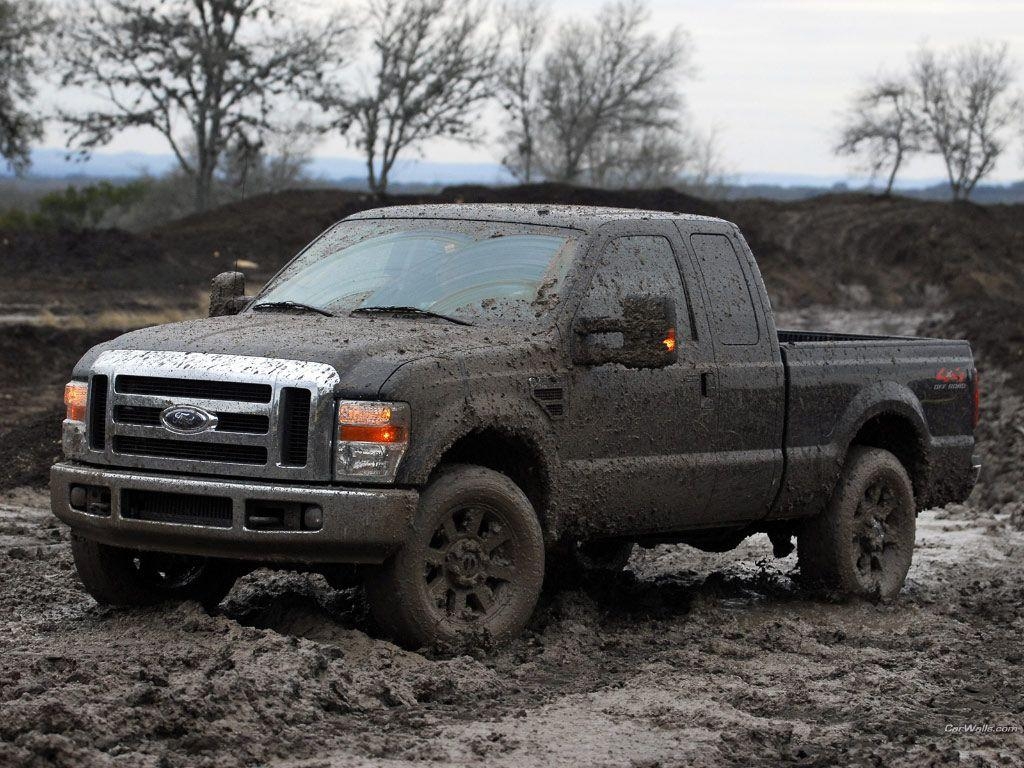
point(775, 75)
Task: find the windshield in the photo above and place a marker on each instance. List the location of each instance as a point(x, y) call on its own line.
point(472, 271)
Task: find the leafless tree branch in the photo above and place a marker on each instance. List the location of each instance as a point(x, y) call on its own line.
point(24, 28)
point(433, 70)
point(203, 73)
point(884, 128)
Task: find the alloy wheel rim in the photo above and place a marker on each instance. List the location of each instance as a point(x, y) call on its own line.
point(470, 564)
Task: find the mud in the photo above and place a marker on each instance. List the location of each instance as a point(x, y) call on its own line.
point(685, 659)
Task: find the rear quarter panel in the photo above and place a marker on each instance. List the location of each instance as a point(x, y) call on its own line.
point(835, 387)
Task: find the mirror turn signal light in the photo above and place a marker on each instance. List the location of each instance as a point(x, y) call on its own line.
point(76, 394)
point(670, 340)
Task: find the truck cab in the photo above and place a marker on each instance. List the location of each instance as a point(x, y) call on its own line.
point(454, 398)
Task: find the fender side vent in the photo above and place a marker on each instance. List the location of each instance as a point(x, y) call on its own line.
point(550, 395)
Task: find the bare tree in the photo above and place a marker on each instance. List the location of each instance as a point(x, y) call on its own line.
point(270, 165)
point(966, 109)
point(522, 22)
point(604, 79)
point(24, 25)
point(656, 157)
point(883, 128)
point(433, 70)
point(704, 172)
point(206, 74)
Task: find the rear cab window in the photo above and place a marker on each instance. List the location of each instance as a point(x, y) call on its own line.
point(731, 309)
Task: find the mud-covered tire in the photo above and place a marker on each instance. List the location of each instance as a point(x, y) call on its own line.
point(126, 577)
point(863, 543)
point(471, 568)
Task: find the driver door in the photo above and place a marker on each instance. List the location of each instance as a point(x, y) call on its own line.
point(632, 438)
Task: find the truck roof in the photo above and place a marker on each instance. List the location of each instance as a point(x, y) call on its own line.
point(575, 216)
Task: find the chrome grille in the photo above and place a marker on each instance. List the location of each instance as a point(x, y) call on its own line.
point(273, 420)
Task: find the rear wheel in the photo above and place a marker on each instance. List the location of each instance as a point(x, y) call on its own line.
point(473, 563)
point(126, 577)
point(864, 541)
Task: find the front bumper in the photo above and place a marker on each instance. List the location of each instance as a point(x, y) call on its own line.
point(360, 525)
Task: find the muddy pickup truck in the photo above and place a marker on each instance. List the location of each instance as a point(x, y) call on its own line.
point(449, 400)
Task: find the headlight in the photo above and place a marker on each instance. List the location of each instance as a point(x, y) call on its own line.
point(76, 394)
point(371, 440)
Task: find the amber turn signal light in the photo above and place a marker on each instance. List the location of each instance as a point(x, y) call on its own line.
point(75, 397)
point(361, 433)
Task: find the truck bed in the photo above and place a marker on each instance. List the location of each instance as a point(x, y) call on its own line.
point(914, 385)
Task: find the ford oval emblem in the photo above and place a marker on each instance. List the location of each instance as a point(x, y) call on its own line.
point(187, 419)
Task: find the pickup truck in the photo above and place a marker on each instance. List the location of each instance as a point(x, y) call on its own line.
point(447, 400)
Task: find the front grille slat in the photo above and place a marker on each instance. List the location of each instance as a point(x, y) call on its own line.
point(248, 423)
point(243, 422)
point(182, 508)
point(188, 449)
point(98, 412)
point(203, 388)
point(295, 426)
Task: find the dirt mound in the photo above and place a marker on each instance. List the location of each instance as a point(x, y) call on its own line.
point(996, 329)
point(88, 273)
point(848, 250)
point(29, 447)
point(859, 250)
point(35, 363)
point(39, 355)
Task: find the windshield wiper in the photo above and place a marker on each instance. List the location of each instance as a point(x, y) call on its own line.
point(291, 305)
point(408, 311)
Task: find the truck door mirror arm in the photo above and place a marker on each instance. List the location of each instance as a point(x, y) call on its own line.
point(647, 327)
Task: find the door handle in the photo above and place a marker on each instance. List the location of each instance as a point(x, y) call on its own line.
point(707, 384)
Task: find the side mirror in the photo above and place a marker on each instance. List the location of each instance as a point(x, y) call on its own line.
point(227, 294)
point(644, 336)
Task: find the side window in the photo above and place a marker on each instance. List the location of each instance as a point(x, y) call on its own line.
point(634, 266)
point(731, 311)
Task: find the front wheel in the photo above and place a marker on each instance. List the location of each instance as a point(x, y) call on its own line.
point(127, 577)
point(473, 563)
point(862, 544)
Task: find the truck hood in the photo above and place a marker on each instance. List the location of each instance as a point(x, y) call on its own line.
point(363, 350)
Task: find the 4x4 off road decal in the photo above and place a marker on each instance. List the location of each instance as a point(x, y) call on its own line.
point(951, 376)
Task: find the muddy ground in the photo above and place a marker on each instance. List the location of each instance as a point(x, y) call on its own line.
point(684, 659)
